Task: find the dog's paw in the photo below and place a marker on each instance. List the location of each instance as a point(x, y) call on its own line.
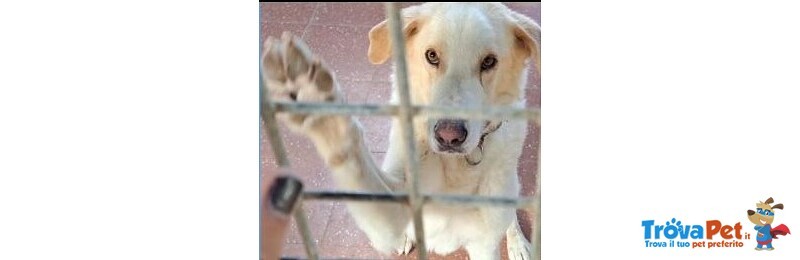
point(407, 247)
point(518, 248)
point(294, 74)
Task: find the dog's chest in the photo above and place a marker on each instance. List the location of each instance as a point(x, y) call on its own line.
point(448, 228)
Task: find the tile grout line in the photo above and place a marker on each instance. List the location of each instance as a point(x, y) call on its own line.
point(351, 26)
point(313, 14)
point(328, 224)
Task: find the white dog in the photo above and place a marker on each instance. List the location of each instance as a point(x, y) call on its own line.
point(458, 54)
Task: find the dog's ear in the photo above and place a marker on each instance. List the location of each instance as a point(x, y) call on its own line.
point(778, 206)
point(380, 42)
point(769, 201)
point(527, 36)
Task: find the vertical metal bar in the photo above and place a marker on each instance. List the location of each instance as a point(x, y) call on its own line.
point(536, 235)
point(305, 232)
point(268, 114)
point(406, 123)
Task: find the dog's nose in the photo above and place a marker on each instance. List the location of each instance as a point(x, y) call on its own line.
point(450, 133)
point(750, 212)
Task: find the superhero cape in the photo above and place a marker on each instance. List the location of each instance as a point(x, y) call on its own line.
point(779, 230)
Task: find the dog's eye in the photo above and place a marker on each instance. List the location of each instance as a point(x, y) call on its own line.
point(488, 63)
point(432, 57)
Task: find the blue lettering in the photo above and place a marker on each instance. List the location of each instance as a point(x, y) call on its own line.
point(647, 224)
point(658, 230)
point(697, 232)
point(671, 230)
point(673, 234)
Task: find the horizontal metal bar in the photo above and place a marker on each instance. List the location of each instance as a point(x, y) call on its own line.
point(333, 195)
point(388, 110)
point(520, 202)
point(341, 258)
point(335, 109)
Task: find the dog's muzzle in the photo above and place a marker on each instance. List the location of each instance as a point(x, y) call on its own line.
point(450, 135)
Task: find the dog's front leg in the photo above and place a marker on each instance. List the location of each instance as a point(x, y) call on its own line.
point(518, 247)
point(293, 73)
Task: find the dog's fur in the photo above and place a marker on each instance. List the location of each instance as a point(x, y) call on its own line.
point(462, 35)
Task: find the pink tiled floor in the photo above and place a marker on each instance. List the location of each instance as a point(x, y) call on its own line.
point(338, 33)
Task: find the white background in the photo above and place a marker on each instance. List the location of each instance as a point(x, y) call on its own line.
point(128, 130)
point(654, 110)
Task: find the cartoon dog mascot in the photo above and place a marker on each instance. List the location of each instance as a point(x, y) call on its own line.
point(763, 217)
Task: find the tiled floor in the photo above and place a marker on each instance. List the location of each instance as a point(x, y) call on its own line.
point(338, 33)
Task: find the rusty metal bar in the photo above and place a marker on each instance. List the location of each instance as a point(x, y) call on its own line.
point(268, 115)
point(355, 196)
point(406, 124)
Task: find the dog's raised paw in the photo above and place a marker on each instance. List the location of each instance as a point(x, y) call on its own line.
point(294, 74)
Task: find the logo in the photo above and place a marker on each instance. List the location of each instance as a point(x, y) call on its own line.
point(715, 233)
point(763, 217)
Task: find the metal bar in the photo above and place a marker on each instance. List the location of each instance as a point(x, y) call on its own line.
point(536, 241)
point(376, 197)
point(340, 258)
point(406, 115)
point(305, 231)
point(268, 115)
point(521, 202)
point(536, 235)
point(389, 110)
point(336, 109)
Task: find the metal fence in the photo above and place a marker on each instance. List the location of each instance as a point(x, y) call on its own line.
point(405, 111)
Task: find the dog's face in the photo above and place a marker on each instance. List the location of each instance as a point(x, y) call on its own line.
point(764, 213)
point(461, 55)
